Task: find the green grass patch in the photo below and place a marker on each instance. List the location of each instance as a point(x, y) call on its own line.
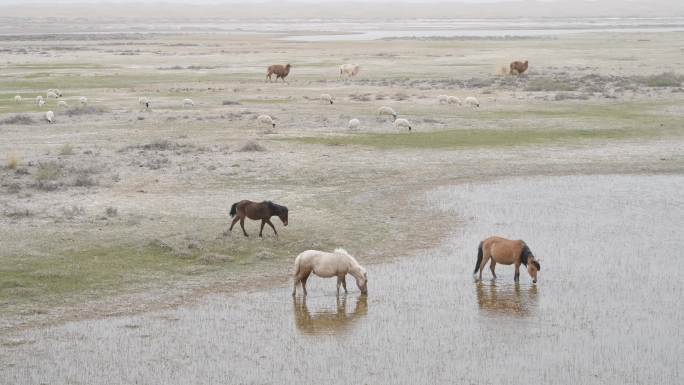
point(262, 101)
point(458, 139)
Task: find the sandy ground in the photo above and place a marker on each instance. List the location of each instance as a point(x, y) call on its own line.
point(115, 209)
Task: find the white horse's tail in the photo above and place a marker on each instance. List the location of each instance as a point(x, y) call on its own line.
point(296, 269)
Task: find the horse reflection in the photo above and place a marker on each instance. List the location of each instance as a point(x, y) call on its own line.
point(328, 321)
point(506, 300)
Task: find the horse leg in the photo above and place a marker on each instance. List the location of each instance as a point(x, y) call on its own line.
point(344, 283)
point(294, 289)
point(492, 266)
point(273, 227)
point(235, 220)
point(303, 279)
point(485, 259)
point(339, 283)
point(516, 278)
point(242, 224)
point(263, 222)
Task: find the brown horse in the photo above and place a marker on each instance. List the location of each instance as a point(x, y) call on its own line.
point(518, 67)
point(257, 210)
point(507, 252)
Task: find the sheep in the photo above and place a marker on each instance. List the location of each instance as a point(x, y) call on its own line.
point(38, 99)
point(349, 70)
point(55, 91)
point(52, 94)
point(384, 110)
point(83, 100)
point(142, 100)
point(63, 104)
point(443, 99)
point(402, 123)
point(354, 124)
point(472, 101)
point(41, 102)
point(17, 99)
point(280, 71)
point(454, 100)
point(326, 98)
point(265, 119)
point(518, 67)
point(188, 103)
point(50, 116)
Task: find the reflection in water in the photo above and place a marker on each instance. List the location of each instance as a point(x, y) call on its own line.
point(506, 299)
point(328, 321)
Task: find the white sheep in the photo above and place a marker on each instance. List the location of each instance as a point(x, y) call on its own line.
point(354, 124)
point(52, 94)
point(17, 99)
point(63, 104)
point(472, 101)
point(402, 123)
point(326, 98)
point(349, 70)
point(188, 103)
point(38, 99)
point(443, 99)
point(384, 110)
point(50, 116)
point(41, 102)
point(454, 100)
point(265, 119)
point(83, 100)
point(58, 93)
point(142, 100)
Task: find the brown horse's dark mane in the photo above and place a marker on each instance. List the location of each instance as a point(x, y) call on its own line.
point(276, 208)
point(525, 253)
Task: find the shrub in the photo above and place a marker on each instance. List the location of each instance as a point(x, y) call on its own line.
point(549, 84)
point(18, 119)
point(252, 147)
point(84, 110)
point(66, 150)
point(665, 79)
point(12, 162)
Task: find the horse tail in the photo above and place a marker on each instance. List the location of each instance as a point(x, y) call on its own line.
point(479, 258)
point(233, 209)
point(296, 269)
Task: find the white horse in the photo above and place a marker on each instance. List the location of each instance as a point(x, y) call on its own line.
point(327, 265)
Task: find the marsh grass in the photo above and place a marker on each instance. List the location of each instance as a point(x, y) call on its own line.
point(66, 150)
point(12, 162)
point(474, 138)
point(665, 79)
point(18, 119)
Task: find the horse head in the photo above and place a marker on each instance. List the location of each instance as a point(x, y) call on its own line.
point(362, 280)
point(282, 214)
point(532, 268)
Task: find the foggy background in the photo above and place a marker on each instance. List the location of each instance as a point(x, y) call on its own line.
point(339, 9)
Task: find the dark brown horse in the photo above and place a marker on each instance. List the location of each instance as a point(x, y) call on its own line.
point(256, 211)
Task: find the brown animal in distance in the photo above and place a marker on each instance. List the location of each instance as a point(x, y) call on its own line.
point(506, 252)
point(257, 211)
point(518, 67)
point(280, 71)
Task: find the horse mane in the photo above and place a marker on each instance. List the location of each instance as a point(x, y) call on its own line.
point(525, 253)
point(342, 251)
point(276, 208)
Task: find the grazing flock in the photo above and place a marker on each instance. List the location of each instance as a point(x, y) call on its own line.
point(347, 71)
point(340, 263)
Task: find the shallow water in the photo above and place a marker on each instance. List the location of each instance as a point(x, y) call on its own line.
point(605, 310)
